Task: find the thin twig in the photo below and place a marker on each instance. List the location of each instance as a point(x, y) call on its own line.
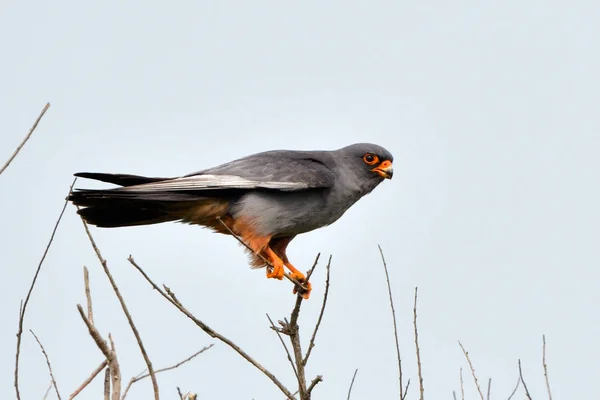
point(88, 294)
point(213, 333)
point(107, 384)
point(489, 388)
point(23, 305)
point(472, 369)
point(523, 380)
point(314, 335)
point(516, 387)
point(35, 124)
point(318, 378)
point(387, 278)
point(352, 384)
point(462, 386)
point(47, 362)
point(454, 395)
point(116, 392)
point(421, 388)
point(293, 331)
point(546, 367)
point(111, 356)
point(125, 310)
point(89, 379)
point(289, 356)
point(406, 389)
point(48, 391)
point(145, 375)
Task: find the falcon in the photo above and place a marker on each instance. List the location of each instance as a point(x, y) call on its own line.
point(265, 199)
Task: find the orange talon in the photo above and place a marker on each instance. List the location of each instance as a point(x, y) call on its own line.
point(278, 271)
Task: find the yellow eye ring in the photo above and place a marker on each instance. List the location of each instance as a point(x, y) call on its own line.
point(370, 159)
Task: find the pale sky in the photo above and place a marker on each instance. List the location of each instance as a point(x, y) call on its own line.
point(490, 110)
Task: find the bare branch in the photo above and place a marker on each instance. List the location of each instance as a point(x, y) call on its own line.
point(23, 306)
point(489, 388)
point(314, 335)
point(111, 355)
point(48, 391)
point(523, 380)
point(213, 333)
point(289, 356)
point(516, 387)
point(406, 389)
point(35, 124)
point(88, 294)
point(462, 386)
point(318, 378)
point(545, 367)
point(47, 362)
point(125, 310)
point(387, 278)
point(145, 375)
point(89, 379)
point(352, 384)
point(421, 388)
point(107, 384)
point(472, 369)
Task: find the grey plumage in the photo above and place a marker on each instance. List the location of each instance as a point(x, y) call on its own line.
point(266, 198)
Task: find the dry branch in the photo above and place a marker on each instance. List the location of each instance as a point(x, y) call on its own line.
point(125, 310)
point(89, 379)
point(352, 384)
point(35, 124)
point(421, 388)
point(23, 306)
point(472, 369)
point(107, 384)
point(323, 305)
point(111, 355)
point(545, 367)
point(387, 278)
point(173, 300)
point(144, 375)
point(48, 363)
point(523, 381)
point(516, 387)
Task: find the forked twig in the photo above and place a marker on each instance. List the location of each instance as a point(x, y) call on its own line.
point(523, 380)
point(35, 124)
point(125, 310)
point(89, 379)
point(421, 388)
point(211, 332)
point(472, 369)
point(23, 306)
point(48, 363)
point(113, 369)
point(144, 375)
point(352, 384)
point(289, 356)
point(387, 278)
point(545, 367)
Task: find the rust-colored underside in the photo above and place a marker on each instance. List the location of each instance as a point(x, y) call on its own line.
point(208, 212)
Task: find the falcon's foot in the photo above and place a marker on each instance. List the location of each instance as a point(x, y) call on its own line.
point(277, 272)
point(301, 278)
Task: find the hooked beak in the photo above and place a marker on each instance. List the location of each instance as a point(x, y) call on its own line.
point(384, 169)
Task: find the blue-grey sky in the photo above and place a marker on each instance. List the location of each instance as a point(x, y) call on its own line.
point(490, 110)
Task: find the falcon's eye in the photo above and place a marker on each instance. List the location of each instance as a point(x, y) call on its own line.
point(370, 159)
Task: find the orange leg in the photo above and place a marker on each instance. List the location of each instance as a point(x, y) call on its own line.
point(279, 246)
point(277, 263)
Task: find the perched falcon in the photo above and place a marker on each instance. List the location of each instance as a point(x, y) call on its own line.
point(266, 199)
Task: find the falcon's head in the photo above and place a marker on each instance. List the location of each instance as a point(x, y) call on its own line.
point(369, 160)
